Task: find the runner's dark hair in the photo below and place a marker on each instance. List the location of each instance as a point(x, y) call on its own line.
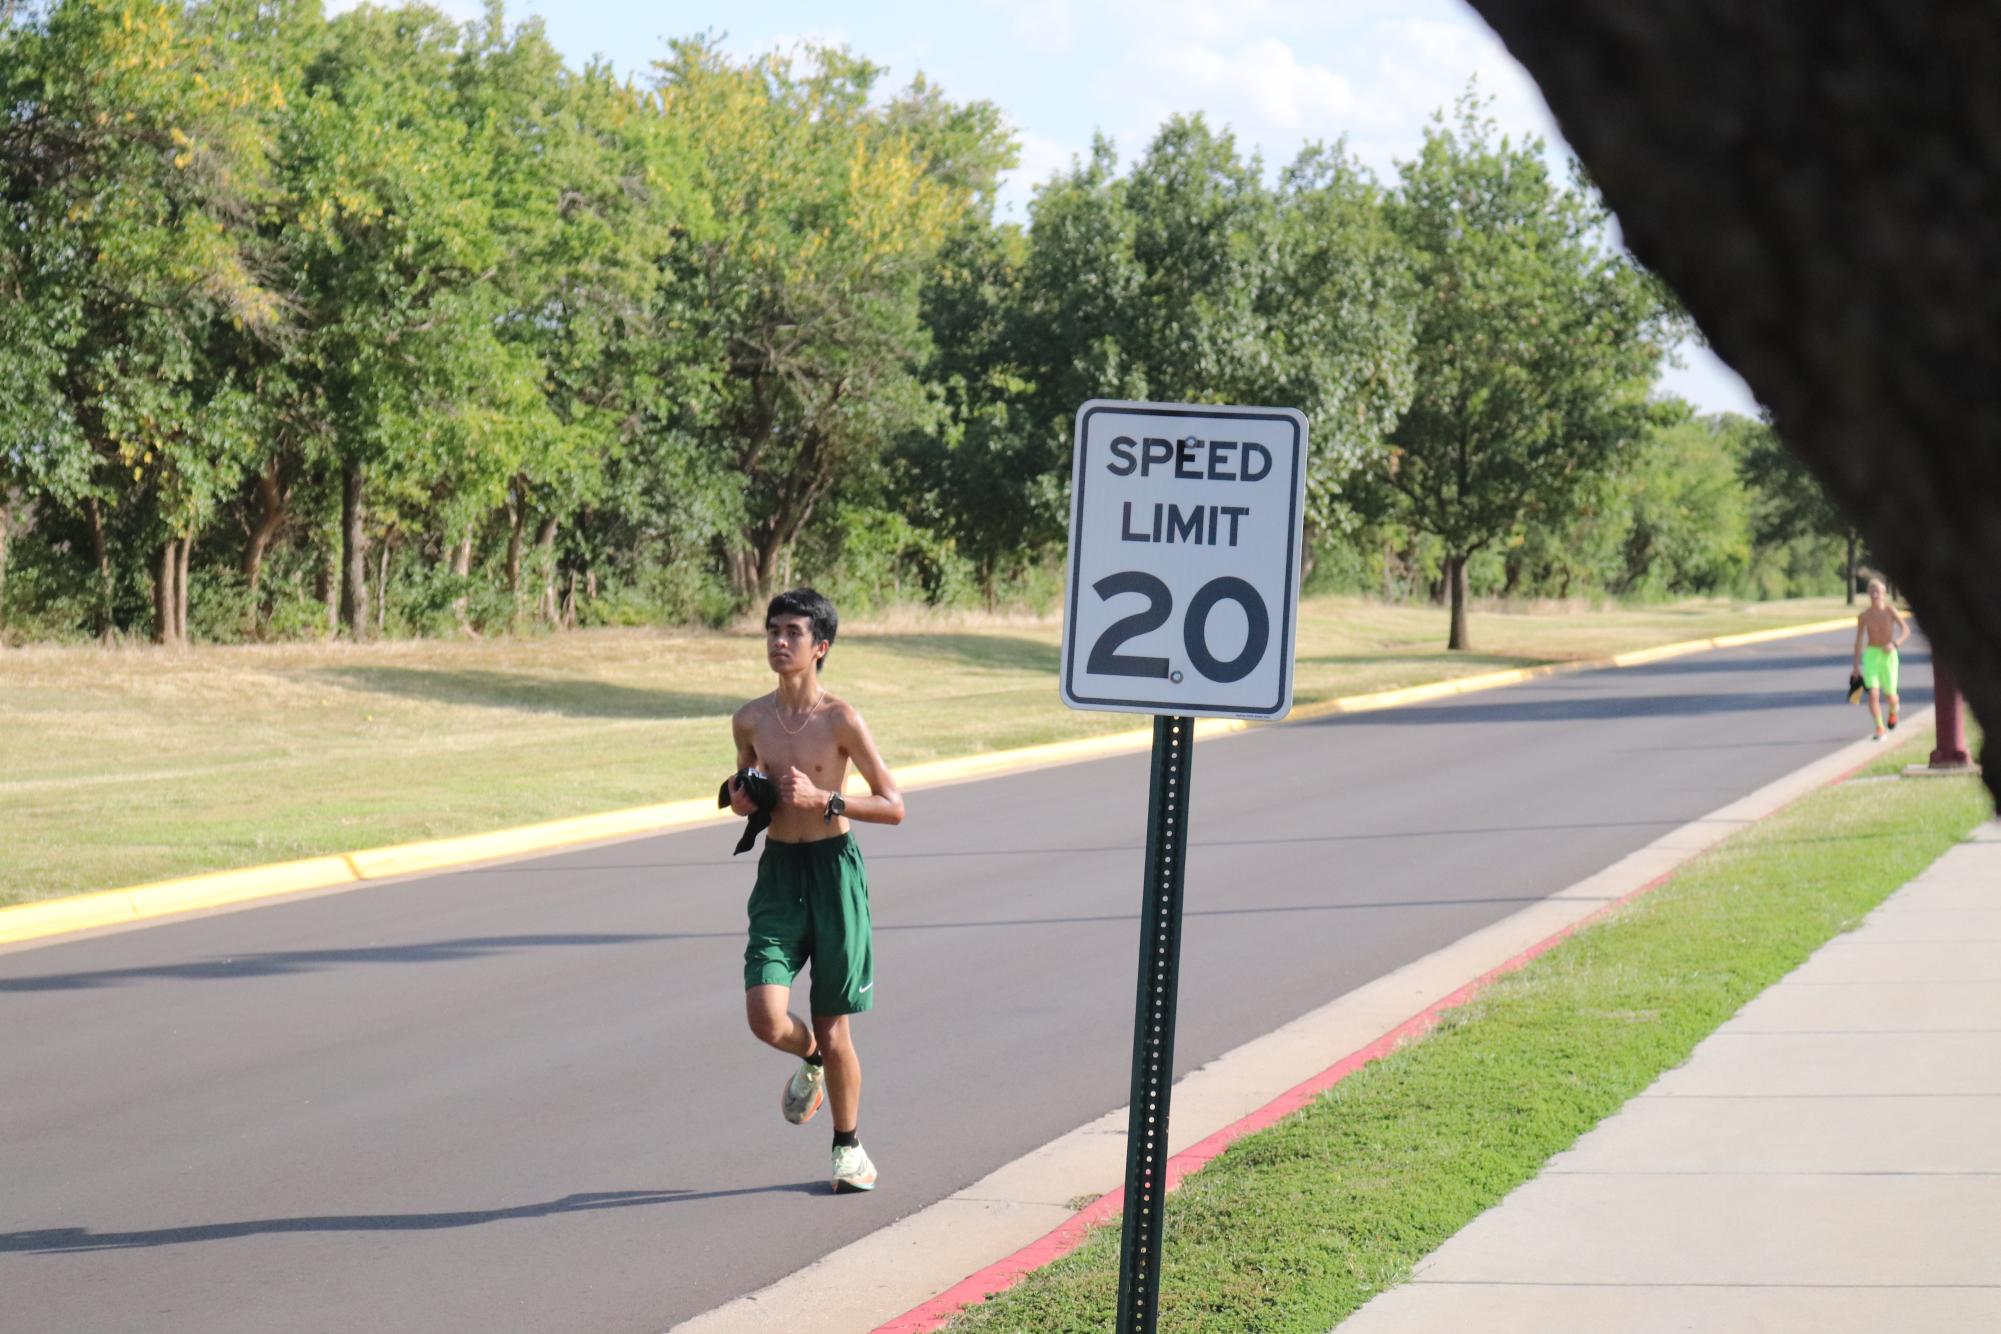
point(815, 608)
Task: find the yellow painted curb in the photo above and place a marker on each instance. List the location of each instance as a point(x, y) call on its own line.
point(437, 854)
point(114, 907)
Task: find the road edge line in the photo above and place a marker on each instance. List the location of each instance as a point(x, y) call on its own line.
point(143, 904)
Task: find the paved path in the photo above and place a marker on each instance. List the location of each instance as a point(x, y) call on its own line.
point(521, 1097)
point(1828, 1160)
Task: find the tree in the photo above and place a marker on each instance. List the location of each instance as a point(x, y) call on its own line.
point(1340, 316)
point(1192, 280)
point(397, 254)
point(1735, 143)
point(1788, 506)
point(135, 168)
point(1689, 529)
point(1535, 345)
point(807, 287)
point(989, 478)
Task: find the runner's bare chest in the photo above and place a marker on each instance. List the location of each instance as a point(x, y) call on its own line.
point(813, 749)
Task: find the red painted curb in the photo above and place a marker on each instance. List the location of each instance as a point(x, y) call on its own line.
point(1069, 1235)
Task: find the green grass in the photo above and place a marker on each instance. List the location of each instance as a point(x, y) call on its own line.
point(135, 764)
point(1294, 1228)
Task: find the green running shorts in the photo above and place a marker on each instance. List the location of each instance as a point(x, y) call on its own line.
point(1879, 669)
point(811, 902)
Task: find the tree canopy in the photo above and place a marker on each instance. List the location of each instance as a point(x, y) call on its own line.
point(386, 323)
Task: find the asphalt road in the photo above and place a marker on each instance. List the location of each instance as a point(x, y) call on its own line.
point(522, 1098)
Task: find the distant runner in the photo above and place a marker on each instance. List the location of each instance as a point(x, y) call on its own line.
point(811, 898)
point(1879, 632)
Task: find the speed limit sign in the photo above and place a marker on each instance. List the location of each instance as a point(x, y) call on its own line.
point(1183, 583)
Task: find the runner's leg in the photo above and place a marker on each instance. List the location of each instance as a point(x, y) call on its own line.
point(775, 1026)
point(844, 1068)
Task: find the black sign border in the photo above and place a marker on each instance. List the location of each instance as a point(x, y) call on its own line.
point(1184, 708)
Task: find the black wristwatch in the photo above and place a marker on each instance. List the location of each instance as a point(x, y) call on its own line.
point(836, 806)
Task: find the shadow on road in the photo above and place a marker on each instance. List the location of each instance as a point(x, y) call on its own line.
point(299, 961)
point(68, 1240)
point(568, 696)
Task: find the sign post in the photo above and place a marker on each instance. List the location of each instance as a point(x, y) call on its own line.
point(1182, 600)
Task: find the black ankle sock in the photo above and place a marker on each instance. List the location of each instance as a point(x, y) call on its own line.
point(817, 1058)
point(848, 1139)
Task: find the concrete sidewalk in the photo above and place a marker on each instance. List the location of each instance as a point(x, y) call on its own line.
point(1829, 1160)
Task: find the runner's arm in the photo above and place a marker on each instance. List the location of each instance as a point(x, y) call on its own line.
point(746, 758)
point(1903, 630)
point(1860, 632)
point(884, 804)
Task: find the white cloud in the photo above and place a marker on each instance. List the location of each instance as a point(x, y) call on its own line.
point(1259, 89)
point(1045, 25)
point(1421, 66)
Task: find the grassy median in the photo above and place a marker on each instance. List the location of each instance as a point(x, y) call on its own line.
point(134, 764)
point(1293, 1229)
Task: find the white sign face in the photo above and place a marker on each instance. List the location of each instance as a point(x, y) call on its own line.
point(1183, 591)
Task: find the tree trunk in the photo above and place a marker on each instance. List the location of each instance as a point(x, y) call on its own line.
point(187, 546)
point(1761, 160)
point(1851, 567)
point(95, 513)
point(516, 520)
point(164, 599)
point(354, 554)
point(270, 515)
point(545, 541)
point(744, 583)
point(767, 568)
point(462, 569)
point(6, 532)
point(1455, 582)
point(382, 582)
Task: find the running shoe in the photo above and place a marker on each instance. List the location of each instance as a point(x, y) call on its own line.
point(852, 1169)
point(804, 1093)
point(1893, 720)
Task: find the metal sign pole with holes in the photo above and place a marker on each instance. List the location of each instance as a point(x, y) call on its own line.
point(1153, 1023)
point(1182, 602)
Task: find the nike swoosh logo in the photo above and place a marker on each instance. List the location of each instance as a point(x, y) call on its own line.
point(864, 989)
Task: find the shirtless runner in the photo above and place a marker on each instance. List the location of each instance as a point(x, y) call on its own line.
point(1879, 632)
point(811, 898)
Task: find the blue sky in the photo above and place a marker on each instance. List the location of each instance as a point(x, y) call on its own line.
point(1279, 73)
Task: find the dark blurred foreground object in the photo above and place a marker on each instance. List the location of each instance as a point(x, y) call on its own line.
point(1949, 751)
point(1820, 183)
point(762, 791)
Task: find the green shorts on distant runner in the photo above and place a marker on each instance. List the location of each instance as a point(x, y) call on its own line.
point(1879, 669)
point(811, 904)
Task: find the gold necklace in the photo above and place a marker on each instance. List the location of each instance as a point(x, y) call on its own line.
point(818, 700)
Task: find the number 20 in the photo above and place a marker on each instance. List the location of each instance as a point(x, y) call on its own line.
point(1106, 660)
